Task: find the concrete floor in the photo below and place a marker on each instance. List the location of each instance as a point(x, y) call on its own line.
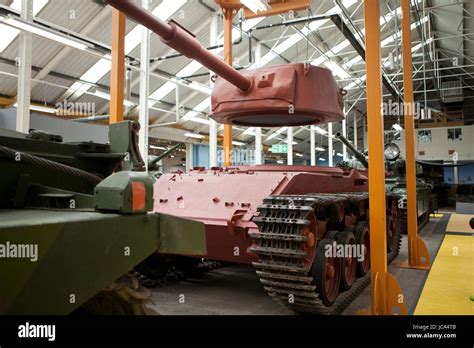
point(236, 290)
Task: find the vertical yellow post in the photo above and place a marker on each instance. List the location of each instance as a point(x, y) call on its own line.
point(385, 291)
point(418, 256)
point(117, 74)
point(228, 18)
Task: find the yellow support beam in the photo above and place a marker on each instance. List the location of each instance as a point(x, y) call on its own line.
point(7, 102)
point(279, 7)
point(229, 11)
point(418, 256)
point(117, 75)
point(386, 295)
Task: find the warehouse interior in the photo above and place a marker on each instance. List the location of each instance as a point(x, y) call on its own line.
point(253, 135)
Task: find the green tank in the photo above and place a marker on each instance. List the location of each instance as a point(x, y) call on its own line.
point(395, 180)
point(75, 219)
point(155, 167)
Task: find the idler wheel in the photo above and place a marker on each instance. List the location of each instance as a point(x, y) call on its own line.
point(348, 262)
point(326, 273)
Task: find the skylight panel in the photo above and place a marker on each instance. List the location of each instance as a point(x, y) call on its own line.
point(8, 33)
point(163, 11)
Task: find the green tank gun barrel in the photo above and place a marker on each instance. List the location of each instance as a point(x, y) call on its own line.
point(357, 154)
point(163, 155)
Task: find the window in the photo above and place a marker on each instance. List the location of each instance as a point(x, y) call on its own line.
point(424, 136)
point(455, 134)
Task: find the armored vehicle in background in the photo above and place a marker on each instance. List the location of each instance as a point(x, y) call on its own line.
point(395, 180)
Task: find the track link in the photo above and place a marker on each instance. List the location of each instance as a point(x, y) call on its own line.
point(280, 245)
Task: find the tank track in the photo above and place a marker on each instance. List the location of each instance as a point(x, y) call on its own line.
point(280, 246)
point(422, 220)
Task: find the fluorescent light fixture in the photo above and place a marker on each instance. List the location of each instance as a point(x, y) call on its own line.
point(298, 154)
point(339, 154)
point(280, 162)
point(106, 96)
point(194, 135)
point(322, 159)
point(397, 127)
point(158, 147)
point(293, 142)
point(318, 148)
point(46, 33)
point(256, 5)
point(320, 130)
point(238, 143)
point(39, 108)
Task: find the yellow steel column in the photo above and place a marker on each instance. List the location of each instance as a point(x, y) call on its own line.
point(228, 18)
point(418, 256)
point(117, 74)
point(386, 293)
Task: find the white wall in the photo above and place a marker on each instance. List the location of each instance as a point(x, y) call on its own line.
point(439, 147)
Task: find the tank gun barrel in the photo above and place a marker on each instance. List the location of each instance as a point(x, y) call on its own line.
point(357, 154)
point(182, 41)
point(163, 155)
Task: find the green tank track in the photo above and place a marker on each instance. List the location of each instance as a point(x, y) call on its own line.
point(422, 220)
point(279, 244)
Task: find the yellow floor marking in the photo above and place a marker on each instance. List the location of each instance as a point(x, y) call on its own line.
point(459, 223)
point(450, 282)
point(436, 215)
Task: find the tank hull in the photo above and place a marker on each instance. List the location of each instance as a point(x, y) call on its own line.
point(225, 201)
